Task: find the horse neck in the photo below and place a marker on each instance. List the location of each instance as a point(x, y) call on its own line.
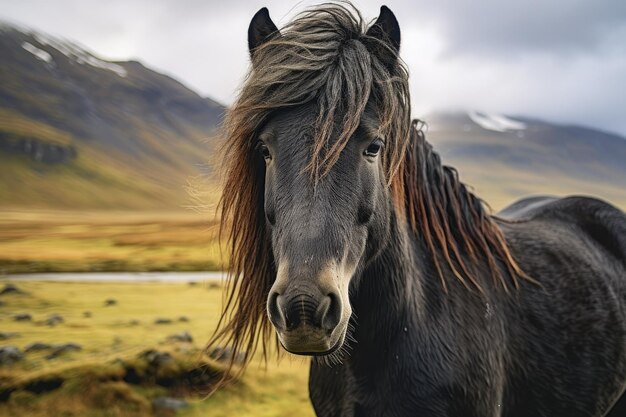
point(391, 292)
point(401, 289)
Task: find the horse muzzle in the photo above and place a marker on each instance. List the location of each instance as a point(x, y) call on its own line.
point(307, 323)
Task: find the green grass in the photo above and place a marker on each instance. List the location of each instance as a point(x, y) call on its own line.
point(47, 241)
point(117, 334)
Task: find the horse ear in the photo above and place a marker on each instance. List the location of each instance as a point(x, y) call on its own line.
point(261, 29)
point(386, 29)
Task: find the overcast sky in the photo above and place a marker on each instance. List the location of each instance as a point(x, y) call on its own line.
point(558, 60)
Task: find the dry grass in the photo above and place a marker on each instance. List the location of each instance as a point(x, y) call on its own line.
point(44, 241)
point(92, 384)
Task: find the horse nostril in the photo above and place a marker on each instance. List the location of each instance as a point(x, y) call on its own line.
point(329, 312)
point(275, 311)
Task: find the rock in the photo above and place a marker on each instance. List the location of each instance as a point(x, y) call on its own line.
point(37, 346)
point(162, 321)
point(168, 403)
point(214, 286)
point(156, 358)
point(180, 337)
point(61, 349)
point(10, 355)
point(134, 322)
point(110, 302)
point(40, 151)
point(67, 347)
point(87, 314)
point(224, 354)
point(11, 289)
point(22, 317)
point(54, 319)
point(184, 319)
point(8, 335)
point(192, 283)
point(187, 349)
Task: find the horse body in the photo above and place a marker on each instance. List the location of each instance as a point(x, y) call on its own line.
point(357, 246)
point(552, 350)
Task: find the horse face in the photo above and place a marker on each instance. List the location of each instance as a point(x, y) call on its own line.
point(323, 232)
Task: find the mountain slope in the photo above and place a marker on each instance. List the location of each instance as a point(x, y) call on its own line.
point(77, 131)
point(505, 158)
point(80, 132)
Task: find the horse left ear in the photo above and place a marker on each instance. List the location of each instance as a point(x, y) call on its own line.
point(261, 29)
point(386, 29)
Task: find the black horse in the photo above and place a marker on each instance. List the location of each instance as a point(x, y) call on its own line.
point(368, 254)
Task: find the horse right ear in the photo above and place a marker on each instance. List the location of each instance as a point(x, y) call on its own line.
point(261, 30)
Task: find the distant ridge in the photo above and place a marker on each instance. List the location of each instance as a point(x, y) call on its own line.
point(81, 132)
point(506, 157)
point(78, 131)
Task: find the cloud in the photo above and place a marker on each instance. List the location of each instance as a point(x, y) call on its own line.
point(508, 28)
point(562, 60)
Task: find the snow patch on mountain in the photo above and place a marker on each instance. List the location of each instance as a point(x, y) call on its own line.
point(38, 53)
point(78, 54)
point(495, 122)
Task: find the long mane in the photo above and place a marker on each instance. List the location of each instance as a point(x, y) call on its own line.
point(325, 56)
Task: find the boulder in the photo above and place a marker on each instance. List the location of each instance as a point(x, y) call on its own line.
point(54, 319)
point(180, 337)
point(37, 346)
point(225, 354)
point(58, 350)
point(8, 335)
point(183, 319)
point(156, 358)
point(162, 320)
point(10, 355)
point(11, 289)
point(87, 314)
point(22, 317)
point(110, 302)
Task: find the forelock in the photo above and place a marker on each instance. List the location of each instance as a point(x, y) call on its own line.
point(324, 56)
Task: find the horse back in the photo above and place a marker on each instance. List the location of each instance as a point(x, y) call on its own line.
point(572, 326)
point(592, 219)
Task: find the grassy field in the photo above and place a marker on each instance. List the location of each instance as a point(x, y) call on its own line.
point(45, 241)
point(113, 339)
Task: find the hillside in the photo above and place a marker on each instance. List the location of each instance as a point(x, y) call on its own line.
point(505, 158)
point(80, 132)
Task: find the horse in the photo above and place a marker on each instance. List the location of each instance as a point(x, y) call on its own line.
point(352, 243)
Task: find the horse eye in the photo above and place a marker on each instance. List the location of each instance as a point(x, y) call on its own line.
point(374, 148)
point(265, 151)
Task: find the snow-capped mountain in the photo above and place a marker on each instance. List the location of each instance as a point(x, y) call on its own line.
point(77, 130)
point(505, 157)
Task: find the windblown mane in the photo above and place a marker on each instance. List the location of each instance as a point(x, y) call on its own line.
point(325, 56)
point(453, 223)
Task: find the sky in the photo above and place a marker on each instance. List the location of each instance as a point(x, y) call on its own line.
point(558, 60)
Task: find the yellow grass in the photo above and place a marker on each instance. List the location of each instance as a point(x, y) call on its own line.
point(111, 334)
point(14, 123)
point(42, 241)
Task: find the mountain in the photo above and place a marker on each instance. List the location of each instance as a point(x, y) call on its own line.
point(507, 157)
point(77, 131)
point(81, 132)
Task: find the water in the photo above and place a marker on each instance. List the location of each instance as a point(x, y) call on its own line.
point(120, 276)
